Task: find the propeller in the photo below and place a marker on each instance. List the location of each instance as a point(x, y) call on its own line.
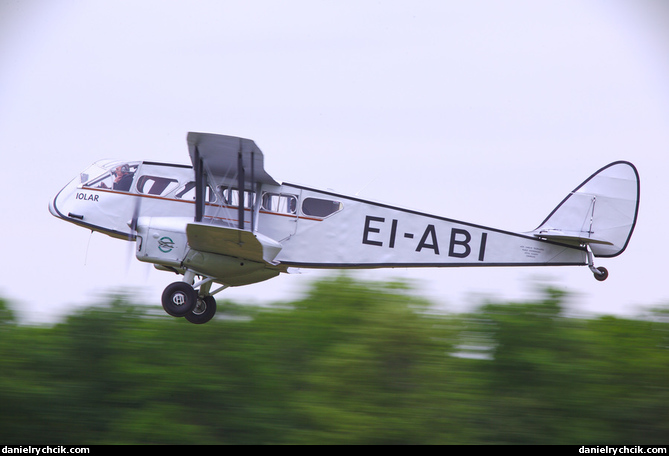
point(132, 235)
point(133, 221)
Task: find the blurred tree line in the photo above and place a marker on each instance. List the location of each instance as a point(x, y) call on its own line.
point(350, 363)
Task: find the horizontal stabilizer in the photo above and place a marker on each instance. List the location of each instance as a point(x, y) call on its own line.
point(232, 242)
point(578, 238)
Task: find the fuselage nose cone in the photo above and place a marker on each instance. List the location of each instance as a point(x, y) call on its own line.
point(52, 208)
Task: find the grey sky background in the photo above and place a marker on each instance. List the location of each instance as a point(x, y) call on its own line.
point(483, 111)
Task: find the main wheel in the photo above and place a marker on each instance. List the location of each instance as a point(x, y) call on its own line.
point(604, 274)
point(203, 311)
point(179, 298)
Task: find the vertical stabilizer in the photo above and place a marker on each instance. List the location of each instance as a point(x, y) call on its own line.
point(601, 212)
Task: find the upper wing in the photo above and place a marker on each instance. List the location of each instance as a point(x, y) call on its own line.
point(222, 155)
point(226, 161)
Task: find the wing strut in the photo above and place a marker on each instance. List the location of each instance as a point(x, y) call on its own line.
point(254, 192)
point(240, 186)
point(199, 186)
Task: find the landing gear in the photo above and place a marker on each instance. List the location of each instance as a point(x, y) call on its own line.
point(600, 273)
point(195, 302)
point(179, 298)
point(204, 310)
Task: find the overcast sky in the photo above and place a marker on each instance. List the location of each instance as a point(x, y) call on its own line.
point(483, 111)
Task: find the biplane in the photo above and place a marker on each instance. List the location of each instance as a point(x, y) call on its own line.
point(225, 222)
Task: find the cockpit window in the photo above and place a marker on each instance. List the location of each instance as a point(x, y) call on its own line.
point(117, 176)
point(154, 185)
point(320, 207)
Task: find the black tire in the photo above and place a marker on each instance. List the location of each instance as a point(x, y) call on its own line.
point(179, 299)
point(604, 274)
point(204, 310)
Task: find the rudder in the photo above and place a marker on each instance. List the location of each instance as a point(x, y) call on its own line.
point(601, 212)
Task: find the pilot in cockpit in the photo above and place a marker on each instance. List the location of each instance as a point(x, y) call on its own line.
point(122, 178)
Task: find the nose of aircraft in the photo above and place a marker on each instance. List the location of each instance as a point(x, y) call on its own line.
point(58, 203)
point(52, 208)
point(96, 206)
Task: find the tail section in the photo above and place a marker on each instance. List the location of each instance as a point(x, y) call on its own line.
point(600, 213)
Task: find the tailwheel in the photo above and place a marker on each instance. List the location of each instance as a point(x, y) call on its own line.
point(204, 310)
point(601, 273)
point(179, 299)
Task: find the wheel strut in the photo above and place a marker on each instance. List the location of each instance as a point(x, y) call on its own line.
point(194, 301)
point(600, 273)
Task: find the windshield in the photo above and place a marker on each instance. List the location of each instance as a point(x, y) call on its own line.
point(111, 174)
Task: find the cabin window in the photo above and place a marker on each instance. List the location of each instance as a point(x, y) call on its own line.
point(231, 197)
point(153, 185)
point(187, 192)
point(275, 202)
point(318, 207)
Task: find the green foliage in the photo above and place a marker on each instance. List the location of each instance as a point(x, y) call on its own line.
point(350, 363)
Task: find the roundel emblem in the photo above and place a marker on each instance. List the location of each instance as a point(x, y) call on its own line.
point(165, 244)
